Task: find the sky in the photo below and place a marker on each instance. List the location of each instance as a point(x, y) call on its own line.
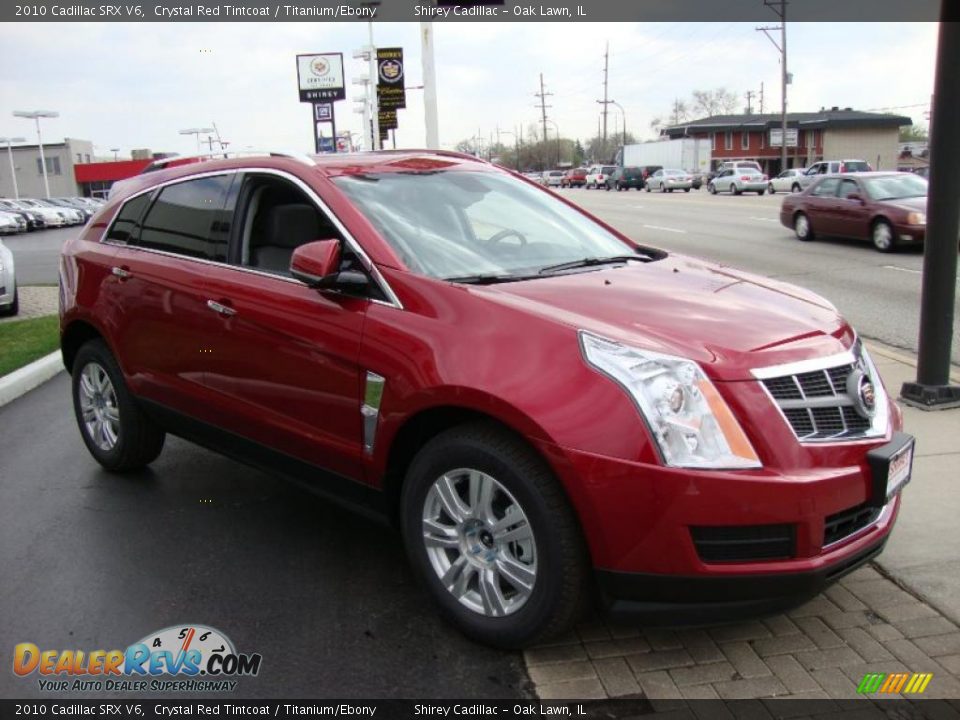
point(135, 85)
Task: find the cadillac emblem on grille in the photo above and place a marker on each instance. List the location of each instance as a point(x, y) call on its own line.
point(861, 391)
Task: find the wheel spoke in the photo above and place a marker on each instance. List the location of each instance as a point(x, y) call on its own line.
point(437, 535)
point(493, 601)
point(450, 499)
point(86, 385)
point(109, 434)
point(517, 574)
point(453, 572)
point(112, 414)
point(481, 496)
point(516, 531)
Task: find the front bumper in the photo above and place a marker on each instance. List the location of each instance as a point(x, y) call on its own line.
point(911, 233)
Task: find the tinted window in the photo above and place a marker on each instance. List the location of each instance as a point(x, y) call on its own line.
point(855, 166)
point(827, 187)
point(185, 219)
point(123, 228)
point(608, 169)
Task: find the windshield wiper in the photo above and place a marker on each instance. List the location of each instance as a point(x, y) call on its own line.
point(592, 261)
point(488, 279)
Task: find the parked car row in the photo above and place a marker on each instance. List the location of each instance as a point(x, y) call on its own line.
point(28, 214)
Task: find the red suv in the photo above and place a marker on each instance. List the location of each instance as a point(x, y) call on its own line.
point(543, 406)
point(577, 177)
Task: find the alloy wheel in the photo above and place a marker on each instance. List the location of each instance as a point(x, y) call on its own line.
point(479, 542)
point(98, 406)
point(882, 236)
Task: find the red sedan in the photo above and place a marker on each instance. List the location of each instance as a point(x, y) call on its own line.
point(887, 208)
point(544, 407)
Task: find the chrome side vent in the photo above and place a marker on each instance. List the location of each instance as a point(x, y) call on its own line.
point(370, 409)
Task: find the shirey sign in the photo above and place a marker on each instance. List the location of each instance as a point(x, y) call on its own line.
point(320, 77)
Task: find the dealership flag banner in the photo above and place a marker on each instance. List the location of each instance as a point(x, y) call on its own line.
point(391, 93)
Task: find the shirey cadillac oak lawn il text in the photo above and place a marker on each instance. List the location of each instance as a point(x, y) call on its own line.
point(551, 413)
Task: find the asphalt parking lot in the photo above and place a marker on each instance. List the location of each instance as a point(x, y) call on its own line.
point(92, 560)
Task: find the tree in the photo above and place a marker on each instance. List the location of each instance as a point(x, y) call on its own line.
point(597, 151)
point(714, 102)
point(914, 133)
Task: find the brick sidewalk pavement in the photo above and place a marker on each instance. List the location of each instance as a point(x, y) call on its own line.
point(864, 624)
point(35, 301)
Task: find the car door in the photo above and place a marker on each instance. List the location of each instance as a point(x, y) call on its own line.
point(822, 206)
point(284, 358)
point(853, 216)
point(166, 242)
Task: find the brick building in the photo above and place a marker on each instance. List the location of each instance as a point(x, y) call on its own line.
point(833, 134)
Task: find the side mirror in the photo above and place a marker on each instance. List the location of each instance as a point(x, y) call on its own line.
point(855, 197)
point(316, 264)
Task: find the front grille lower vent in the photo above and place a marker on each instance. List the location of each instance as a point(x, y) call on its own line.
point(744, 543)
point(847, 522)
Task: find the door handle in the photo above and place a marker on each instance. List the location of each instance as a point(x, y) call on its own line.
point(120, 272)
point(221, 309)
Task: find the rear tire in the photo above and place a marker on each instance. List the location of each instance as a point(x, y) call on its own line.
point(508, 593)
point(686, 189)
point(802, 227)
point(114, 428)
point(796, 188)
point(770, 188)
point(14, 307)
point(736, 190)
point(761, 192)
point(712, 188)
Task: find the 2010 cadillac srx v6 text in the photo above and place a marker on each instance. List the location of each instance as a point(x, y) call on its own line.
point(552, 413)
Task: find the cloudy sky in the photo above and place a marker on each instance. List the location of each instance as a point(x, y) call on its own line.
point(135, 85)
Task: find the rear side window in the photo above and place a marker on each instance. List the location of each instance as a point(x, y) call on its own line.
point(124, 227)
point(826, 187)
point(185, 219)
point(855, 166)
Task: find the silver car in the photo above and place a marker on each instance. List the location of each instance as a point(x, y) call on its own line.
point(668, 180)
point(9, 300)
point(738, 182)
point(787, 181)
point(11, 223)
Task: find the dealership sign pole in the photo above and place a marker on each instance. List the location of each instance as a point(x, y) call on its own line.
point(320, 82)
point(391, 93)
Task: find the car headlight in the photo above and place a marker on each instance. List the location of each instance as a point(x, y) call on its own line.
point(690, 421)
point(916, 218)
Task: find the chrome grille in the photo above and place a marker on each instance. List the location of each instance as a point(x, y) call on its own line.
point(815, 401)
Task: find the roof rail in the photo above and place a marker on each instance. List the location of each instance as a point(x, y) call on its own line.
point(173, 160)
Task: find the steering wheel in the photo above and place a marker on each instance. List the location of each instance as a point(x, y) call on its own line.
point(497, 237)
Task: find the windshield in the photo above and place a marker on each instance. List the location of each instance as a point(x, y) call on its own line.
point(457, 224)
point(896, 187)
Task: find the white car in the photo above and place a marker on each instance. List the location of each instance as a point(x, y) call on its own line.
point(668, 180)
point(9, 299)
point(738, 181)
point(552, 178)
point(10, 223)
point(598, 175)
point(51, 217)
point(71, 214)
point(787, 181)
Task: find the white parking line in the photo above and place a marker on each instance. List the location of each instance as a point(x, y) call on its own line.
point(764, 219)
point(909, 270)
point(665, 229)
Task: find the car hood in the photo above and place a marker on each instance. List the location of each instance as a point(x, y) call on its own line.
point(918, 204)
point(728, 321)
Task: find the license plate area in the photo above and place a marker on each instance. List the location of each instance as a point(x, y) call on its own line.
point(891, 466)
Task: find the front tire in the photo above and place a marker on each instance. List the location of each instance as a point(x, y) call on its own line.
point(489, 531)
point(114, 428)
point(771, 189)
point(712, 188)
point(883, 236)
point(796, 188)
point(802, 227)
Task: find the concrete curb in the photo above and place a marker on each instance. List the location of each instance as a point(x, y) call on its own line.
point(29, 376)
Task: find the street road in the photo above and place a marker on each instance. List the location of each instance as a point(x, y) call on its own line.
point(90, 561)
point(878, 293)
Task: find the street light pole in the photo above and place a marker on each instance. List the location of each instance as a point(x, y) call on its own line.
point(784, 76)
point(198, 132)
point(36, 115)
point(429, 86)
point(13, 171)
point(624, 114)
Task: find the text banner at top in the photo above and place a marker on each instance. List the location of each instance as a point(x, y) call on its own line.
point(507, 11)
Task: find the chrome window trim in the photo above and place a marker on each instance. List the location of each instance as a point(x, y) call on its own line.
point(368, 264)
point(879, 423)
point(884, 514)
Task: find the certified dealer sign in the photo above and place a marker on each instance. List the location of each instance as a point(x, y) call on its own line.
point(320, 77)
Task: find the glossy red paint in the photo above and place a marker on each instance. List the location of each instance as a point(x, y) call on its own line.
point(284, 366)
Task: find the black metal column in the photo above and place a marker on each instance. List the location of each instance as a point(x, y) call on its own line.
point(933, 390)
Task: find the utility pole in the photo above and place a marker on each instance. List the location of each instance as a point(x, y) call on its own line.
point(749, 96)
point(543, 94)
point(606, 101)
point(780, 8)
point(761, 98)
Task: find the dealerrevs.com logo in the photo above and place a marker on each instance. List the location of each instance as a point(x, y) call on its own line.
point(182, 658)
